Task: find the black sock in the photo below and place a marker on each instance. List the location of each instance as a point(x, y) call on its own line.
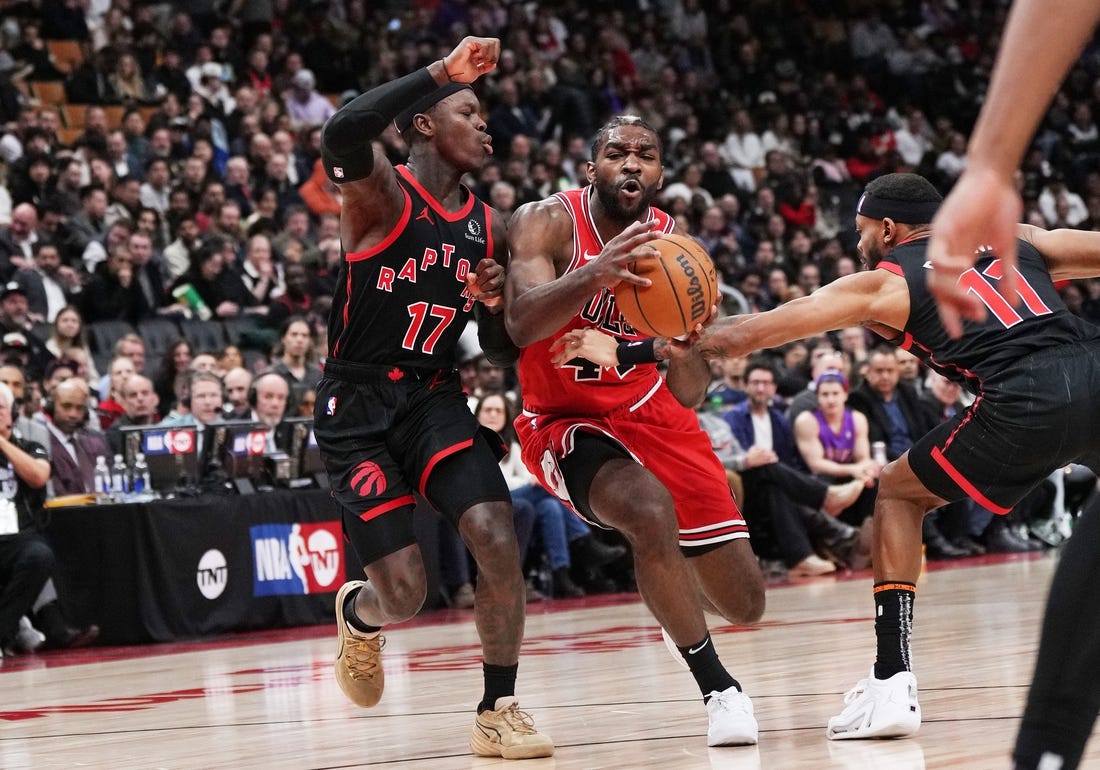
point(353, 619)
point(893, 626)
point(709, 673)
point(51, 622)
point(500, 682)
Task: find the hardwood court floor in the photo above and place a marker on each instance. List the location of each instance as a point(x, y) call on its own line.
point(594, 673)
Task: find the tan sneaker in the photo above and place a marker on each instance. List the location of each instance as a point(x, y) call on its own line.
point(509, 733)
point(359, 660)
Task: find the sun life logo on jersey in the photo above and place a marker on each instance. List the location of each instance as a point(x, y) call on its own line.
point(473, 232)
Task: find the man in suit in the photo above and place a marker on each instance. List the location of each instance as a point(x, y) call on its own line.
point(894, 413)
point(778, 487)
point(140, 402)
point(73, 447)
point(48, 285)
point(17, 239)
point(25, 556)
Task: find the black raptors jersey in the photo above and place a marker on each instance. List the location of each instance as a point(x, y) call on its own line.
point(1039, 321)
point(404, 302)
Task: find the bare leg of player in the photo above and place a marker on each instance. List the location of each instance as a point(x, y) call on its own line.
point(395, 590)
point(731, 581)
point(500, 607)
point(628, 497)
point(884, 705)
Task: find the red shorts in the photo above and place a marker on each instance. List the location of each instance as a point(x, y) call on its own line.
point(663, 436)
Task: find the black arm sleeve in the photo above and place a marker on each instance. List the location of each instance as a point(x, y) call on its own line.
point(346, 137)
point(493, 338)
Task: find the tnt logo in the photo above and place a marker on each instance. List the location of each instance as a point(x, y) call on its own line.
point(296, 559)
point(212, 574)
point(252, 443)
point(181, 442)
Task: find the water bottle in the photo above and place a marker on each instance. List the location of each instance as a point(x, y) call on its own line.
point(118, 478)
point(101, 484)
point(141, 485)
point(878, 453)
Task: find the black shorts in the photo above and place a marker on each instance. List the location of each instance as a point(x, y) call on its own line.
point(1041, 415)
point(388, 432)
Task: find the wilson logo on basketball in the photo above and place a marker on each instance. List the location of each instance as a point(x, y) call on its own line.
point(694, 287)
point(368, 480)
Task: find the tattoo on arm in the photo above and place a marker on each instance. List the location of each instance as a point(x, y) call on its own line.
point(661, 349)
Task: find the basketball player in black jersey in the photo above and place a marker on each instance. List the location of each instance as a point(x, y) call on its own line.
point(1037, 49)
point(422, 255)
point(1034, 367)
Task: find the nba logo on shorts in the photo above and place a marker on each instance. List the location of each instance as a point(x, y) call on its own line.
point(330, 407)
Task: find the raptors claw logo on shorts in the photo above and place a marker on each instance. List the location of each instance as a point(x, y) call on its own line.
point(367, 479)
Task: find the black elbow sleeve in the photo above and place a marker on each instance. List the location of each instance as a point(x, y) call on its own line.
point(346, 138)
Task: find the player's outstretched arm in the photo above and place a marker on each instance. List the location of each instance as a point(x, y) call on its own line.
point(873, 297)
point(1069, 254)
point(1041, 40)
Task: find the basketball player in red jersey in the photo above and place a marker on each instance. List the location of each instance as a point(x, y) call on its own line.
point(621, 445)
point(1035, 368)
point(391, 418)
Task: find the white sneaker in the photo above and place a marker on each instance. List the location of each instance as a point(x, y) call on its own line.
point(731, 719)
point(26, 640)
point(673, 651)
point(878, 708)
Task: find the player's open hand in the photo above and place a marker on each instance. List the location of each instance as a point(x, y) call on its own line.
point(611, 267)
point(472, 58)
point(981, 212)
point(486, 283)
point(589, 344)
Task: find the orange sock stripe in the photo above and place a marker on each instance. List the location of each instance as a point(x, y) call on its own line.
point(894, 587)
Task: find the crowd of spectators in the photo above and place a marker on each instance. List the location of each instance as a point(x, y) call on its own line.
point(171, 198)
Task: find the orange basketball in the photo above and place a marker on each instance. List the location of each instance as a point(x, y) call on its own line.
point(685, 286)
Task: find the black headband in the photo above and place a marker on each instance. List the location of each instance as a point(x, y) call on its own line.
point(904, 212)
point(424, 103)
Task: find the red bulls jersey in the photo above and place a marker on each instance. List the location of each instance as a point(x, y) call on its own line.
point(404, 302)
point(581, 387)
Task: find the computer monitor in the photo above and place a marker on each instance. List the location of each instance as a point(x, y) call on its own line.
point(295, 437)
point(171, 453)
point(236, 448)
